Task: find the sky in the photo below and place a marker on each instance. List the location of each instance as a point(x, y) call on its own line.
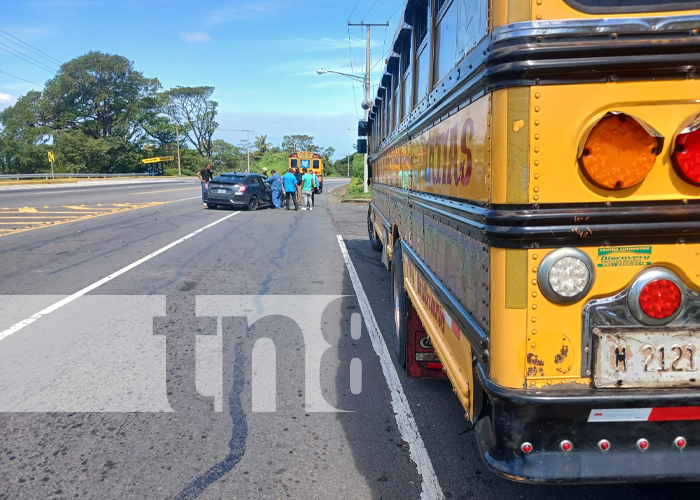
point(260, 55)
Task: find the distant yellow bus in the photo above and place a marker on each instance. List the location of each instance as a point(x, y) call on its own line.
point(535, 173)
point(311, 161)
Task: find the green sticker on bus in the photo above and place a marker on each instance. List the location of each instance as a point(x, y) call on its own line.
point(624, 256)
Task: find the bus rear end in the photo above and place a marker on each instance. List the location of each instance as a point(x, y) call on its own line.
point(595, 254)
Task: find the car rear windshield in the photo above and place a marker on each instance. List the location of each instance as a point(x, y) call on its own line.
point(229, 179)
point(623, 6)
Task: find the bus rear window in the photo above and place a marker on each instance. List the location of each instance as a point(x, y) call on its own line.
point(625, 6)
point(316, 164)
point(294, 163)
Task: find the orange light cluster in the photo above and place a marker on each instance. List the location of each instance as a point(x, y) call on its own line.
point(618, 153)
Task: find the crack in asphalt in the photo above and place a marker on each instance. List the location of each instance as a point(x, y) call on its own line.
point(239, 422)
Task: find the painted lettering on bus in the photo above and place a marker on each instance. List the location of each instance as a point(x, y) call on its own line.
point(444, 146)
point(436, 310)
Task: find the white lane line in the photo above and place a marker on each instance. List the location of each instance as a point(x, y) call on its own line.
point(402, 411)
point(88, 289)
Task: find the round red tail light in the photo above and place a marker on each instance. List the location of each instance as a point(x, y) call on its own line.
point(659, 299)
point(686, 156)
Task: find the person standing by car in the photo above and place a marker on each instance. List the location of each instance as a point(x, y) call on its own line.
point(275, 183)
point(307, 181)
point(205, 175)
point(264, 172)
point(290, 188)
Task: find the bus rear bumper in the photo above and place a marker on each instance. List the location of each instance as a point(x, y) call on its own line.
point(545, 420)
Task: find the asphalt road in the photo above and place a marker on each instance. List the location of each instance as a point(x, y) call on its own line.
point(152, 348)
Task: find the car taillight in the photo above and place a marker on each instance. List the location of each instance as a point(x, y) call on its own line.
point(241, 188)
point(619, 152)
point(660, 299)
point(686, 156)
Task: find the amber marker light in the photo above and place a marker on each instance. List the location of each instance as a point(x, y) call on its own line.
point(619, 152)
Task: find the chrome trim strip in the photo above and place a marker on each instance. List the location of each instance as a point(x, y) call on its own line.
point(596, 26)
point(477, 338)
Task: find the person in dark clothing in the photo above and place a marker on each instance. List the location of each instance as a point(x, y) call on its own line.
point(298, 174)
point(205, 175)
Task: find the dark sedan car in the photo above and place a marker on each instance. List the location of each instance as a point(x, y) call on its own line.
point(239, 190)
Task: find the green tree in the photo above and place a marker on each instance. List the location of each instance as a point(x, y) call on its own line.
point(298, 142)
point(225, 156)
point(99, 94)
point(24, 139)
point(261, 146)
point(195, 112)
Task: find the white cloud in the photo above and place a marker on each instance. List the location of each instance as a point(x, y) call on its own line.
point(6, 100)
point(196, 37)
point(241, 12)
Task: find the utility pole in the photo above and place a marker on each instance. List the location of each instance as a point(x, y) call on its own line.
point(247, 141)
point(177, 139)
point(366, 104)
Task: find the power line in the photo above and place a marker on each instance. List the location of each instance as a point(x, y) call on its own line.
point(370, 9)
point(13, 76)
point(32, 47)
point(352, 71)
point(27, 58)
point(353, 9)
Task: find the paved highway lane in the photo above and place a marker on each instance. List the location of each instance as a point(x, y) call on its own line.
point(172, 351)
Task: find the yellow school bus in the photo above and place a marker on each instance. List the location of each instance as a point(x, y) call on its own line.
point(535, 170)
point(311, 161)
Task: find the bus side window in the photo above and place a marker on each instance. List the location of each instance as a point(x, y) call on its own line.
point(421, 63)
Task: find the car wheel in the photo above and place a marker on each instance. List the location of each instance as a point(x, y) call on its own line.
point(211, 205)
point(253, 204)
point(400, 298)
point(373, 238)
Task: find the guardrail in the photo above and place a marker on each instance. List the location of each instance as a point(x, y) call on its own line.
point(70, 176)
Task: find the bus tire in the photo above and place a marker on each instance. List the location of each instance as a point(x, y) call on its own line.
point(372, 233)
point(400, 299)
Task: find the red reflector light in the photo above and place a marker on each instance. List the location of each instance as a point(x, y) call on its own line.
point(686, 156)
point(642, 444)
point(603, 445)
point(434, 366)
point(680, 442)
point(566, 446)
point(526, 447)
point(660, 299)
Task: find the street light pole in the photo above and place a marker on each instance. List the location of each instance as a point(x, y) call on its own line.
point(177, 139)
point(366, 104)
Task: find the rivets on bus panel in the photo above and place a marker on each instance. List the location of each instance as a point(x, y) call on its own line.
point(537, 150)
point(537, 122)
point(537, 95)
point(537, 109)
point(534, 320)
point(537, 137)
point(534, 282)
point(642, 444)
point(536, 190)
point(534, 269)
point(537, 162)
point(603, 444)
point(539, 17)
point(534, 256)
point(680, 442)
point(535, 197)
point(534, 332)
point(539, 2)
point(526, 447)
point(566, 445)
point(534, 306)
point(537, 176)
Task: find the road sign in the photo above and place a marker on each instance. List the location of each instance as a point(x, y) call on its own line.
point(51, 159)
point(158, 159)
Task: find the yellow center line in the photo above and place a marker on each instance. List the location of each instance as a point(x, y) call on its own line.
point(169, 190)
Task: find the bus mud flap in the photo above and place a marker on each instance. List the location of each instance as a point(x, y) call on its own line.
point(421, 359)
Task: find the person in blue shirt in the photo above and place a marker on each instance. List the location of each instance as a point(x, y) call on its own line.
point(289, 181)
point(275, 183)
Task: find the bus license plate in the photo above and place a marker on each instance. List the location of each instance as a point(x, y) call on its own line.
point(647, 359)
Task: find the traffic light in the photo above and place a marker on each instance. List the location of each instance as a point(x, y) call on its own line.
point(362, 128)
